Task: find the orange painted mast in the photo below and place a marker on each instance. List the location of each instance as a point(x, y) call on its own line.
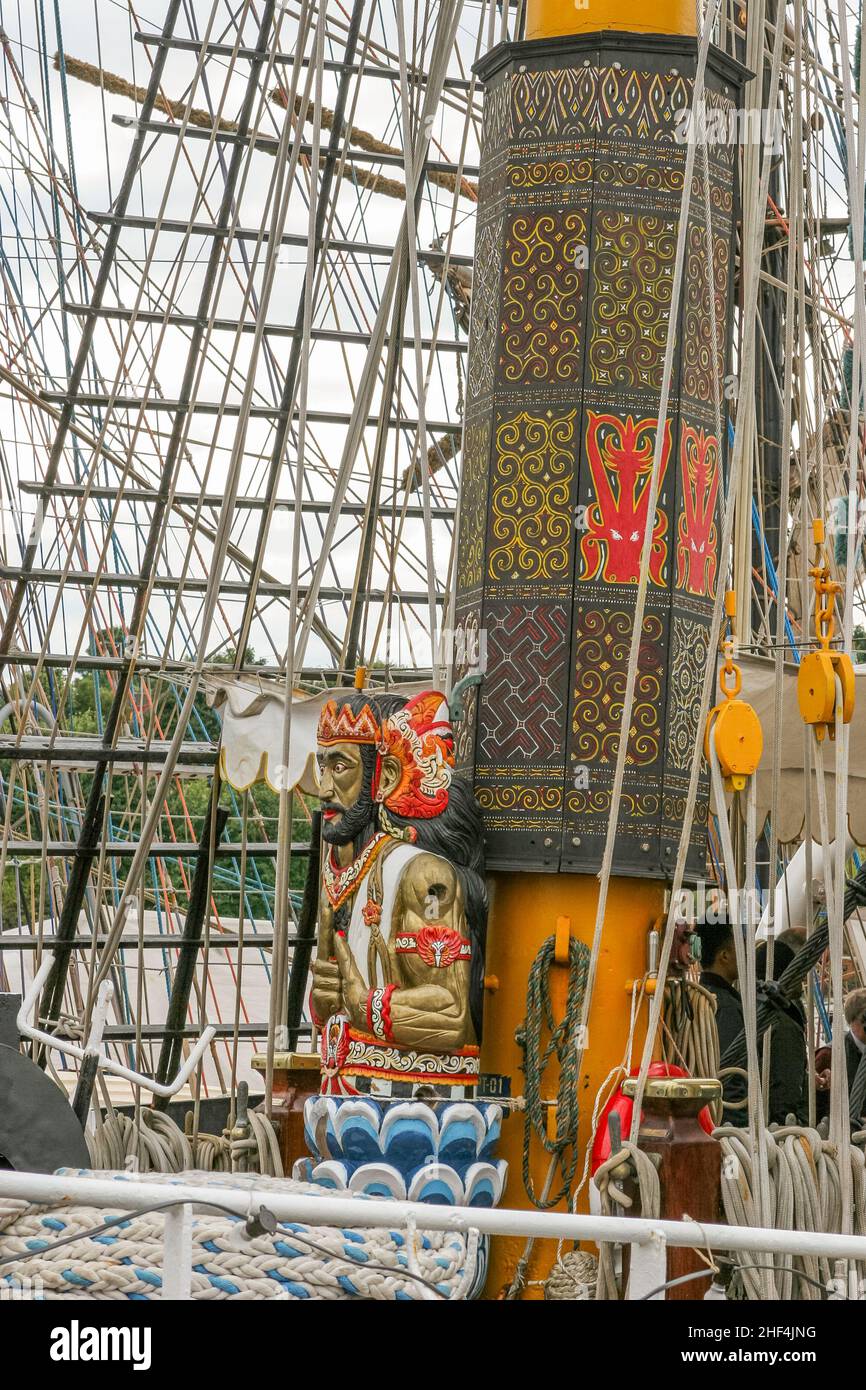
point(546, 19)
point(580, 188)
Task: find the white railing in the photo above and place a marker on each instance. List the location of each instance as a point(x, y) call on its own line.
point(649, 1239)
point(93, 1047)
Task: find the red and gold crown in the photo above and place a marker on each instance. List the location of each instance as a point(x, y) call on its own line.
point(337, 724)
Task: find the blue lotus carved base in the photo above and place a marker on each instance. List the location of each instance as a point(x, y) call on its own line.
point(409, 1151)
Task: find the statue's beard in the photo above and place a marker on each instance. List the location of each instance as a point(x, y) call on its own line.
point(350, 823)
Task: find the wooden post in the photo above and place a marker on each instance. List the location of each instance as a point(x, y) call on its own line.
point(690, 1168)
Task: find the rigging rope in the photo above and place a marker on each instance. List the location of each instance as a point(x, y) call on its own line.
point(196, 116)
point(773, 995)
point(539, 1013)
point(750, 260)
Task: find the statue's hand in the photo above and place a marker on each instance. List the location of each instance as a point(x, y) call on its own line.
point(327, 994)
point(354, 989)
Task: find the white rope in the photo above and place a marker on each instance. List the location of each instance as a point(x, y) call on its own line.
point(698, 131)
point(805, 1182)
point(744, 944)
point(127, 1261)
point(278, 1002)
point(795, 253)
point(839, 1122)
point(751, 259)
point(448, 18)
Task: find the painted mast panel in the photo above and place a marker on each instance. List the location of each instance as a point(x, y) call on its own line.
point(583, 153)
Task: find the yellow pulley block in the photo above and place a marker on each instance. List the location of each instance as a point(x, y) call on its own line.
point(739, 741)
point(816, 678)
point(816, 690)
point(736, 728)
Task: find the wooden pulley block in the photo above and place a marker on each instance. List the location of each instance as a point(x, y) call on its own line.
point(739, 741)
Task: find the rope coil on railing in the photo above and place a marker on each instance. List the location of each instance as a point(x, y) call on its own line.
point(805, 1191)
point(628, 1162)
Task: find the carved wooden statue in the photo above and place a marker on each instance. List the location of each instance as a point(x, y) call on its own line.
point(399, 969)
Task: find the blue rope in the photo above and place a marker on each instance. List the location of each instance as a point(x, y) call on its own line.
point(768, 560)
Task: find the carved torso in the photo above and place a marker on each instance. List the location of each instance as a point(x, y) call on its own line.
point(405, 957)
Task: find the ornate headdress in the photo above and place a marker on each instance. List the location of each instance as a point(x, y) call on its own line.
point(338, 724)
point(419, 736)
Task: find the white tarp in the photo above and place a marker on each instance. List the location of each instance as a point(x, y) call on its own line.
point(252, 712)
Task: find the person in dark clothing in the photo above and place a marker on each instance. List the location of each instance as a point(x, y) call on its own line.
point(788, 1094)
point(855, 1046)
point(719, 975)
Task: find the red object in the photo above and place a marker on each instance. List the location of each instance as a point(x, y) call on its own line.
point(624, 1107)
point(378, 1013)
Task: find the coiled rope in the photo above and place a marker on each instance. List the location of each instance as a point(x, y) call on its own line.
point(158, 1145)
point(805, 1190)
point(295, 1262)
point(573, 1278)
point(615, 1202)
point(690, 1038)
point(561, 1044)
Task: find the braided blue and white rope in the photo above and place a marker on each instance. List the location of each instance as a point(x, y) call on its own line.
point(125, 1261)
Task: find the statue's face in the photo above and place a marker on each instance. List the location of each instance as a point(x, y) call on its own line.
point(346, 804)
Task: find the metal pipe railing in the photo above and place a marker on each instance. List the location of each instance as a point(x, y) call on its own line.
point(383, 1213)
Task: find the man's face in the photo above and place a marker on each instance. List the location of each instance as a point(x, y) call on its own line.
point(858, 1028)
point(345, 808)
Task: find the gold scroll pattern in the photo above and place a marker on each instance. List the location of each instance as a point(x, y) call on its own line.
point(690, 649)
point(633, 263)
point(542, 296)
point(698, 378)
point(602, 644)
point(482, 348)
point(549, 173)
point(473, 504)
point(530, 499)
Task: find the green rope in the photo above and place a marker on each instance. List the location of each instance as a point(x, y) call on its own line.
point(563, 1043)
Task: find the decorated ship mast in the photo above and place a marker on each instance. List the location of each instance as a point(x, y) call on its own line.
point(591, 492)
point(493, 874)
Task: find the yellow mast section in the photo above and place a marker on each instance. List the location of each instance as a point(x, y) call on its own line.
point(547, 18)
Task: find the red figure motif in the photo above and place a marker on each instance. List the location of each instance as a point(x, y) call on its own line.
point(440, 945)
point(697, 536)
point(621, 459)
